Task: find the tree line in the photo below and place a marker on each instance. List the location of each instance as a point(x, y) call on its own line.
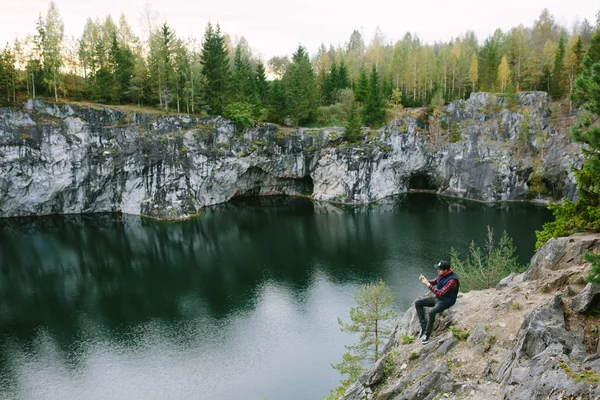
point(354, 82)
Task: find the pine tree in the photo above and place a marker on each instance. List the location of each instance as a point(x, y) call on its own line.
point(362, 87)
point(374, 109)
point(301, 88)
point(330, 85)
point(371, 318)
point(262, 86)
point(489, 64)
point(342, 81)
point(524, 135)
point(594, 50)
point(277, 109)
point(215, 69)
point(558, 73)
point(353, 126)
point(7, 75)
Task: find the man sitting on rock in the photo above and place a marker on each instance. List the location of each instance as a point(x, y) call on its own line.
point(445, 288)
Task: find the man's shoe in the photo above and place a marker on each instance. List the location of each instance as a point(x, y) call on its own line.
point(425, 339)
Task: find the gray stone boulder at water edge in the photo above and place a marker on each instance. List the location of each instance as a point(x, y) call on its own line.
point(82, 159)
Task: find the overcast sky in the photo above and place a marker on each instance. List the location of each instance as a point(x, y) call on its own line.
point(277, 27)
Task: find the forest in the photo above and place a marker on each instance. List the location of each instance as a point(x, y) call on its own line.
point(218, 75)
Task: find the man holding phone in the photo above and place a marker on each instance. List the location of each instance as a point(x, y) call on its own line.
point(445, 288)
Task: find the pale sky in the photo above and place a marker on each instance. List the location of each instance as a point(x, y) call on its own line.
point(277, 27)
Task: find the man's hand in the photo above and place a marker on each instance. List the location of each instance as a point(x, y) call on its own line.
point(424, 280)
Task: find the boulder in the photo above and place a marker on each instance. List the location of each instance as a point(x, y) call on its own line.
point(587, 299)
point(544, 355)
point(561, 253)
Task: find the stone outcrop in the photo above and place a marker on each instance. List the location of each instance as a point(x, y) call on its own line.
point(80, 159)
point(530, 338)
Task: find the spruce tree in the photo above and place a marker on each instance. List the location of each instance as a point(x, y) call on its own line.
point(330, 86)
point(353, 127)
point(262, 86)
point(277, 108)
point(362, 87)
point(342, 81)
point(215, 69)
point(374, 109)
point(301, 88)
point(558, 71)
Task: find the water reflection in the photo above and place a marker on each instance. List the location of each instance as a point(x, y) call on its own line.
point(250, 292)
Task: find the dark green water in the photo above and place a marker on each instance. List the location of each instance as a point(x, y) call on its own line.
point(241, 303)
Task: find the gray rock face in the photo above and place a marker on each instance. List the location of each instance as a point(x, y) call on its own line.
point(545, 358)
point(587, 299)
point(561, 253)
point(73, 159)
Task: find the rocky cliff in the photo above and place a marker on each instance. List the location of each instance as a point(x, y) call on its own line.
point(533, 337)
point(75, 158)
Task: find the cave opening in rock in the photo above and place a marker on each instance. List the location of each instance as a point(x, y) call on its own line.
point(422, 182)
point(257, 182)
point(308, 185)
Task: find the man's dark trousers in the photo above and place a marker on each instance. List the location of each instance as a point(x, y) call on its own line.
point(437, 307)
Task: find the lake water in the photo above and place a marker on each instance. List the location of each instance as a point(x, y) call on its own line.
point(240, 303)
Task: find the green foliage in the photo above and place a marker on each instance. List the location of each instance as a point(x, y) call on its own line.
point(262, 86)
point(558, 73)
point(373, 112)
point(524, 135)
point(372, 319)
point(240, 114)
point(536, 184)
point(362, 87)
point(301, 88)
point(277, 108)
point(454, 133)
point(353, 130)
point(593, 275)
point(582, 215)
point(585, 375)
point(459, 334)
point(437, 102)
point(215, 69)
point(484, 268)
point(243, 83)
point(407, 339)
point(7, 76)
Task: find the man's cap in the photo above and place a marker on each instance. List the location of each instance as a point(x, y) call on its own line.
point(443, 265)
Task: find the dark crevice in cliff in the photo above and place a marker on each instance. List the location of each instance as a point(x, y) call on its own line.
point(257, 182)
point(422, 182)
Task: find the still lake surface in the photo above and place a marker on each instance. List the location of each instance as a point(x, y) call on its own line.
point(240, 303)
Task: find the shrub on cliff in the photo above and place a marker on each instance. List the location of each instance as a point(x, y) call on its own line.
point(582, 215)
point(484, 268)
point(240, 114)
point(593, 275)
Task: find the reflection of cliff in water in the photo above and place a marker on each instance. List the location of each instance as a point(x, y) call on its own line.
point(112, 269)
point(120, 269)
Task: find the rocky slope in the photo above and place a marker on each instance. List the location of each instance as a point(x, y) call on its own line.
point(80, 159)
point(533, 337)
